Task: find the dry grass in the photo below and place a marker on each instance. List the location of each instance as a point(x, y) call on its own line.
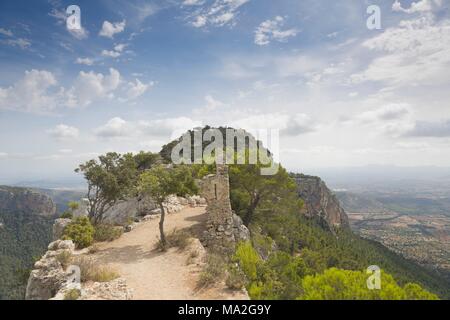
point(193, 255)
point(94, 249)
point(213, 272)
point(91, 271)
point(73, 294)
point(65, 258)
point(176, 239)
point(236, 279)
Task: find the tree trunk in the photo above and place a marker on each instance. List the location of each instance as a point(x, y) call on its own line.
point(161, 227)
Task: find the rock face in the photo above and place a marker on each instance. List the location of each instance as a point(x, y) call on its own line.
point(50, 281)
point(223, 228)
point(131, 209)
point(48, 275)
point(320, 201)
point(25, 200)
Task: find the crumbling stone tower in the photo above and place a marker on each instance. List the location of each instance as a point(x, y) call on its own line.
point(220, 228)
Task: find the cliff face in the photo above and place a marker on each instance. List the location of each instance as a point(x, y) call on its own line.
point(320, 201)
point(24, 200)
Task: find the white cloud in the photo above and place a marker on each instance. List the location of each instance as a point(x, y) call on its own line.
point(90, 86)
point(110, 29)
point(31, 93)
point(38, 91)
point(297, 65)
point(85, 61)
point(438, 129)
point(288, 124)
point(417, 52)
point(419, 6)
point(272, 30)
point(19, 42)
point(3, 155)
point(64, 132)
point(211, 105)
point(169, 127)
point(116, 52)
point(6, 32)
point(217, 14)
point(192, 2)
point(115, 127)
point(119, 47)
point(137, 88)
point(111, 54)
point(393, 119)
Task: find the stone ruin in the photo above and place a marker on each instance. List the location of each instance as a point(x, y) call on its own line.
point(224, 229)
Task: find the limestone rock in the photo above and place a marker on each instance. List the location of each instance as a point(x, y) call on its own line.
point(61, 245)
point(83, 206)
point(26, 200)
point(48, 276)
point(320, 201)
point(113, 290)
point(58, 227)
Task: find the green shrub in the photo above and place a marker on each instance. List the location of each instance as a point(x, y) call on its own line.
point(66, 215)
point(248, 259)
point(336, 284)
point(107, 232)
point(80, 231)
point(72, 294)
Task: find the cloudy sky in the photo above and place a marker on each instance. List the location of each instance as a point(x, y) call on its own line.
point(340, 94)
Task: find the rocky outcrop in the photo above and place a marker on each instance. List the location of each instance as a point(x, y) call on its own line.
point(14, 199)
point(131, 209)
point(49, 276)
point(50, 280)
point(319, 201)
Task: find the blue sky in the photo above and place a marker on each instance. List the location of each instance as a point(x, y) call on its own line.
point(341, 94)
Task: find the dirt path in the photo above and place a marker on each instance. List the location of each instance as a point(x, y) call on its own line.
point(155, 275)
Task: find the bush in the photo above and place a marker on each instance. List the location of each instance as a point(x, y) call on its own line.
point(236, 279)
point(91, 271)
point(65, 257)
point(248, 259)
point(80, 231)
point(336, 284)
point(66, 215)
point(107, 232)
point(72, 294)
point(213, 271)
point(176, 239)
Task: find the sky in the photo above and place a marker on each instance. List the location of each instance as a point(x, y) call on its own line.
point(339, 93)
